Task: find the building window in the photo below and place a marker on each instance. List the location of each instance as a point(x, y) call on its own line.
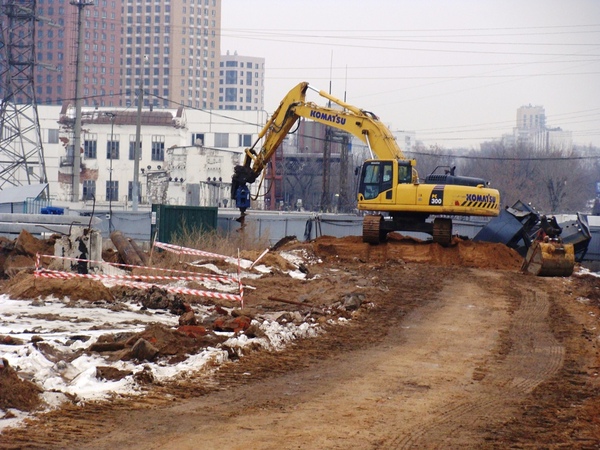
point(112, 147)
point(198, 139)
point(245, 140)
point(112, 190)
point(158, 148)
point(222, 140)
point(230, 77)
point(89, 189)
point(230, 94)
point(132, 140)
point(52, 136)
point(90, 145)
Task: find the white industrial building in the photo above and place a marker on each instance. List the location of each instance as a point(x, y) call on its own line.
point(187, 155)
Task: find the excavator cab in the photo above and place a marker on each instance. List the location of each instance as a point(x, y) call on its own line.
point(377, 176)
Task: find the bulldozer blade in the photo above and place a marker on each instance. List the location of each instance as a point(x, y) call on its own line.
point(550, 259)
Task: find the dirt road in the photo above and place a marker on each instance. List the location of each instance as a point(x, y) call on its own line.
point(441, 377)
point(446, 358)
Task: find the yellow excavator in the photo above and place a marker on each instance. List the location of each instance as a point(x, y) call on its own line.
point(389, 186)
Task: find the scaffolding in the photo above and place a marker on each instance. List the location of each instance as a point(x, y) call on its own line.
point(21, 152)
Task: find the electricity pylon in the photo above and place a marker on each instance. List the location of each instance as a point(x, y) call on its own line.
point(21, 152)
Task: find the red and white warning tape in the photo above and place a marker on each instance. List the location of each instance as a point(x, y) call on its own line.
point(199, 277)
point(133, 280)
point(187, 251)
point(141, 285)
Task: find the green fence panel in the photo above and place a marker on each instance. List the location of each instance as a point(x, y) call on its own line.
point(170, 221)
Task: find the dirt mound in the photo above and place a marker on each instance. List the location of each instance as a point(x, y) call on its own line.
point(482, 255)
point(15, 392)
point(26, 286)
point(349, 249)
point(271, 259)
point(21, 254)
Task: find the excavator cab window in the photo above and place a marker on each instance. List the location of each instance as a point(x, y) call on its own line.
point(370, 180)
point(404, 174)
point(386, 183)
point(377, 177)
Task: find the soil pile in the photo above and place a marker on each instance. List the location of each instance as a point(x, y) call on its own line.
point(20, 254)
point(15, 392)
point(349, 250)
point(26, 286)
point(482, 255)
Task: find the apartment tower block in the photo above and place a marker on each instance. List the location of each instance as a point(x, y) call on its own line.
point(172, 47)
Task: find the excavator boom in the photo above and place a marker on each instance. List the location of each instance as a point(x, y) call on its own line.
point(389, 182)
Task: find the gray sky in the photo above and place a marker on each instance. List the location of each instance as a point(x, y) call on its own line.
point(453, 71)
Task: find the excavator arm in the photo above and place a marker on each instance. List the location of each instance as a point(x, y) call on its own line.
point(275, 130)
point(364, 125)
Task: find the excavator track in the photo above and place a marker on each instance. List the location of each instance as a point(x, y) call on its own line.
point(442, 231)
point(372, 229)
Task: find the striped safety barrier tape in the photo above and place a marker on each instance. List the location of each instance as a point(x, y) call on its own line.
point(187, 251)
point(133, 280)
point(143, 285)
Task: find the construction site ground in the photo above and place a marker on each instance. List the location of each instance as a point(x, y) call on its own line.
point(451, 348)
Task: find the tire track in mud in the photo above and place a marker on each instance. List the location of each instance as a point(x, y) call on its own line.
point(534, 356)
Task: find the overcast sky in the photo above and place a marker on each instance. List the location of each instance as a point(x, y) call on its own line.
point(453, 71)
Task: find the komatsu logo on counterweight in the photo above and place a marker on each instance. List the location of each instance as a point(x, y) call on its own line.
point(481, 198)
point(485, 201)
point(328, 117)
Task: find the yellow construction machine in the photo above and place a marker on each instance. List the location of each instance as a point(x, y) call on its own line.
point(389, 186)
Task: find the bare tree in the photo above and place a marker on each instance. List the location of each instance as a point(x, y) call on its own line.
point(550, 180)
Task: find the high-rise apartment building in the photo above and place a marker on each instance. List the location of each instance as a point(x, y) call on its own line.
point(532, 132)
point(241, 82)
point(55, 51)
point(171, 46)
point(531, 117)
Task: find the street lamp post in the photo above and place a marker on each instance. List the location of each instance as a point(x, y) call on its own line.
point(110, 170)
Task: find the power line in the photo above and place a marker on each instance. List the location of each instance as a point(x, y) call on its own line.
point(506, 158)
point(412, 30)
point(437, 66)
